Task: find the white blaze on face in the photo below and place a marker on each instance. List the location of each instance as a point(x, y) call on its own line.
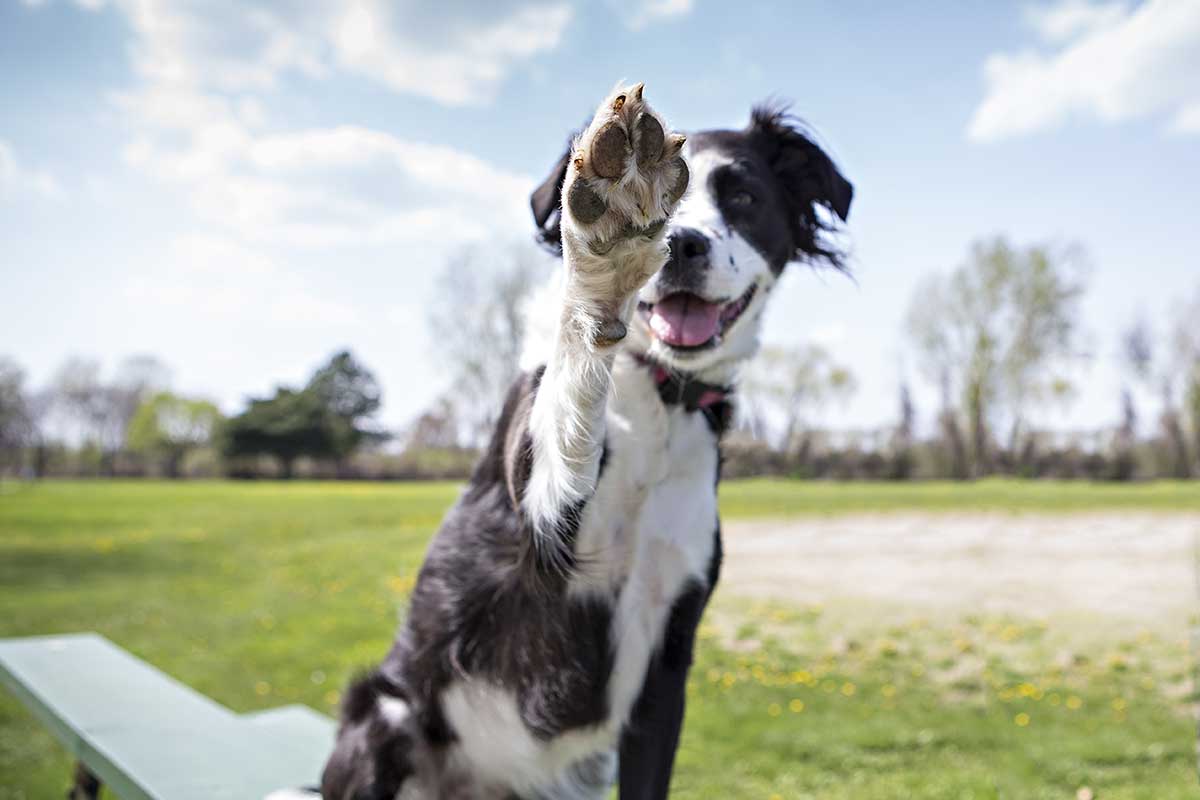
point(734, 267)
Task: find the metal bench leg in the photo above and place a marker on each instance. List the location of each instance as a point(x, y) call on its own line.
point(87, 785)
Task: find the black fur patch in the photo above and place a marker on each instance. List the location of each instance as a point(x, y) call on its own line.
point(488, 605)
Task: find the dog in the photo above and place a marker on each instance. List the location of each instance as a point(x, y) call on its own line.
point(550, 633)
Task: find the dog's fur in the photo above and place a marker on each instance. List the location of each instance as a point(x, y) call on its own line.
point(546, 650)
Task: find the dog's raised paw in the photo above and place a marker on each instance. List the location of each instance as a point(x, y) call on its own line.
point(626, 174)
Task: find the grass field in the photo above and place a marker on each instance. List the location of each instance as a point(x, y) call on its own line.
point(264, 594)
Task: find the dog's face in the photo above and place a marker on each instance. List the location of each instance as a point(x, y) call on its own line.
point(759, 198)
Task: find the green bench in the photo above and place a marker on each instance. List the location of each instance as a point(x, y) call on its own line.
point(147, 736)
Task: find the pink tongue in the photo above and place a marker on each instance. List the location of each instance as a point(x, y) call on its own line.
point(685, 320)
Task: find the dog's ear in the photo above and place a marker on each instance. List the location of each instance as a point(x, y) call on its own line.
point(817, 194)
point(546, 204)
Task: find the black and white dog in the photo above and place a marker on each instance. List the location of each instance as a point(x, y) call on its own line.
point(546, 651)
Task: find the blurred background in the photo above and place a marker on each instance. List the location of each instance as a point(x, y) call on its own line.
point(283, 240)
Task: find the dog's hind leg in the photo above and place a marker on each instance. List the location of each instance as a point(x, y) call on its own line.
point(623, 182)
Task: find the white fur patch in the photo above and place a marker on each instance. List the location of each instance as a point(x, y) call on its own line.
point(496, 748)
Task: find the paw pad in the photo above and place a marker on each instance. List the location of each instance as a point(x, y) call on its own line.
point(609, 150)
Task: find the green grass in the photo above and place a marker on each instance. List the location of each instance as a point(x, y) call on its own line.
point(264, 594)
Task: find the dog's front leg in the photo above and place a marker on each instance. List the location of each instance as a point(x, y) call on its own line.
point(625, 179)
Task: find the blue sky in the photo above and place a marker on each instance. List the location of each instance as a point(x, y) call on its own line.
point(240, 188)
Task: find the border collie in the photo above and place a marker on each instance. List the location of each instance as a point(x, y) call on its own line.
point(546, 651)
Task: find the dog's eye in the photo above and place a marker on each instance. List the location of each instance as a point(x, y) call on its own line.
point(742, 199)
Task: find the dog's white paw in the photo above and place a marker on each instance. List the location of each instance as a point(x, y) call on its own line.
point(625, 179)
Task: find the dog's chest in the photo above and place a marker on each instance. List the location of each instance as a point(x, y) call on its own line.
point(649, 532)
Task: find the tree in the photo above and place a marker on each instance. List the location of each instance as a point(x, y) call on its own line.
point(1136, 360)
point(477, 325)
point(103, 411)
point(993, 332)
point(327, 419)
point(793, 384)
point(288, 425)
point(350, 395)
point(168, 427)
point(1186, 364)
point(17, 424)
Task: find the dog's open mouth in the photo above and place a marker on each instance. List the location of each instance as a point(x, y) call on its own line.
point(685, 321)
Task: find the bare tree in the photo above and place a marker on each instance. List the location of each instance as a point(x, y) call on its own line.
point(477, 326)
point(791, 385)
point(102, 411)
point(16, 417)
point(1185, 347)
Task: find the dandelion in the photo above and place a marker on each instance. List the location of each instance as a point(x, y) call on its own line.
point(848, 689)
point(1074, 703)
point(1021, 719)
point(1119, 704)
point(774, 709)
point(888, 691)
point(332, 698)
point(796, 706)
point(262, 688)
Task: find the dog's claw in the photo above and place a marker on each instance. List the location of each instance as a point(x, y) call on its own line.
point(610, 332)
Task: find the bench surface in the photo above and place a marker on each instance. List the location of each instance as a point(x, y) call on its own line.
point(146, 735)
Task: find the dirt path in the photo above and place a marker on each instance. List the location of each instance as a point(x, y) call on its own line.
point(1136, 567)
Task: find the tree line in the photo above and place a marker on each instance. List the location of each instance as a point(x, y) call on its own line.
point(132, 424)
point(996, 341)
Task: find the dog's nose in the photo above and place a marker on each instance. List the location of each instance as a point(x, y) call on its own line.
point(686, 267)
point(689, 247)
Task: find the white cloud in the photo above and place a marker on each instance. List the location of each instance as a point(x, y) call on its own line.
point(455, 52)
point(200, 119)
point(638, 14)
point(1059, 22)
point(340, 185)
point(16, 179)
point(446, 61)
point(1112, 63)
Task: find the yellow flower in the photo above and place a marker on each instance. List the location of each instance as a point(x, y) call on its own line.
point(1021, 719)
point(1119, 704)
point(888, 691)
point(262, 688)
point(1074, 703)
point(848, 689)
point(774, 709)
point(796, 706)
